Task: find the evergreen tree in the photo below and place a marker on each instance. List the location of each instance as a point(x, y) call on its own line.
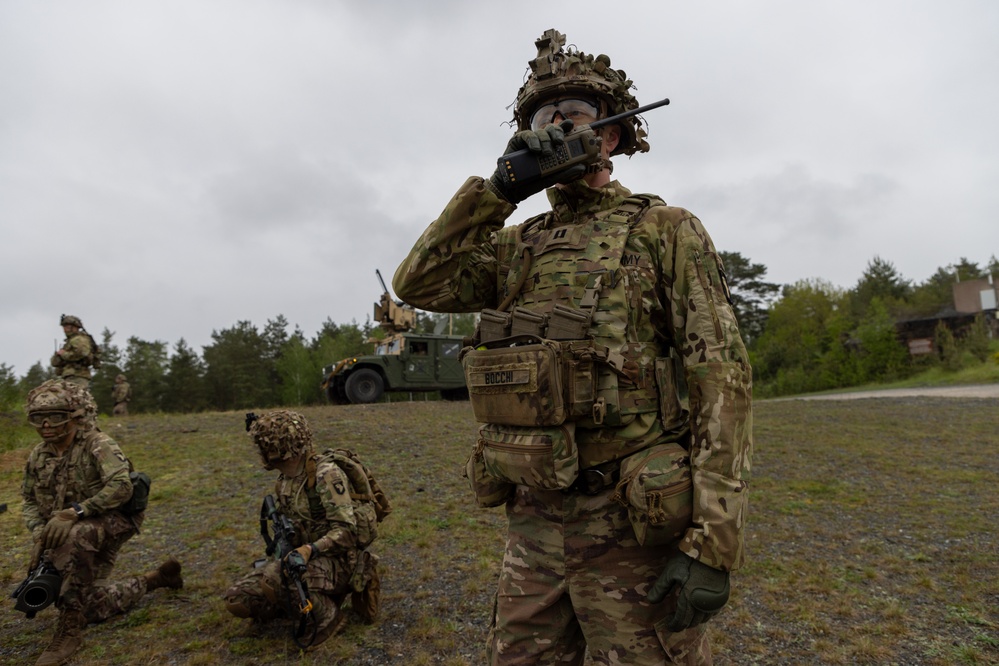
point(146, 368)
point(184, 387)
point(103, 379)
point(947, 347)
point(235, 373)
point(299, 372)
point(976, 339)
point(882, 281)
point(882, 356)
point(751, 294)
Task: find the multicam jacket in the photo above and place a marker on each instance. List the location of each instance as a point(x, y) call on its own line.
point(76, 357)
point(323, 515)
point(93, 472)
point(668, 295)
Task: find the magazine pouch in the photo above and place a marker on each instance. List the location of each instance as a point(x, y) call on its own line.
point(538, 457)
point(657, 489)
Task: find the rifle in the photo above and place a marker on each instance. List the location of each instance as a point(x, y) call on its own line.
point(38, 590)
point(292, 564)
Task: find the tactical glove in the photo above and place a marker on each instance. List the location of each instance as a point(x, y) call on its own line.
point(703, 591)
point(56, 531)
point(305, 551)
point(543, 142)
point(36, 555)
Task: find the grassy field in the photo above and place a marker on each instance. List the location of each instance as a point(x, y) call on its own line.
point(872, 539)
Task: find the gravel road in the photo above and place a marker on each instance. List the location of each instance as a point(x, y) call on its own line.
point(970, 391)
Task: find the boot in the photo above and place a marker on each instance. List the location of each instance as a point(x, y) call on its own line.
point(331, 628)
point(67, 640)
point(167, 575)
point(367, 602)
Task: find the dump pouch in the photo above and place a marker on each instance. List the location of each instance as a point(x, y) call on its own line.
point(488, 490)
point(545, 458)
point(139, 500)
point(657, 488)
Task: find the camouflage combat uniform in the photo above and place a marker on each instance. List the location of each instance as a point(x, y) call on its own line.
point(93, 473)
point(574, 577)
point(121, 393)
point(72, 362)
point(323, 516)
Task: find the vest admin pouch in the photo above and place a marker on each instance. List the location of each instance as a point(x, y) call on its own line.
point(488, 491)
point(545, 458)
point(657, 489)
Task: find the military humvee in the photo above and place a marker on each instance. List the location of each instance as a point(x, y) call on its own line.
point(403, 361)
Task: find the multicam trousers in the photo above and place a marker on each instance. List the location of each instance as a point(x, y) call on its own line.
point(85, 562)
point(262, 595)
point(574, 579)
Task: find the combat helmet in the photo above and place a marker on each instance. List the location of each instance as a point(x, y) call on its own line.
point(70, 320)
point(561, 73)
point(57, 395)
point(280, 434)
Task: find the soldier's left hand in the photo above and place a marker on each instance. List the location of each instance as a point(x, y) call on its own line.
point(56, 531)
point(703, 591)
point(305, 551)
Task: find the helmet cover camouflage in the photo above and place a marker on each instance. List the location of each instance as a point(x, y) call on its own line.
point(281, 434)
point(560, 73)
point(119, 379)
point(70, 320)
point(57, 395)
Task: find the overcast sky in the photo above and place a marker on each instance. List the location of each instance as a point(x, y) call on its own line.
point(168, 169)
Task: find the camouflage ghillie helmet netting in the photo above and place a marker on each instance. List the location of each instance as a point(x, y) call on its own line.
point(560, 73)
point(70, 320)
point(119, 378)
point(280, 434)
point(62, 396)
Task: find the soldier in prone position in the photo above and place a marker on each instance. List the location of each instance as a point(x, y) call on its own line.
point(622, 547)
point(76, 494)
point(315, 494)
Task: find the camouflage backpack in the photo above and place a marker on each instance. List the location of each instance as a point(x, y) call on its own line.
point(371, 505)
point(95, 352)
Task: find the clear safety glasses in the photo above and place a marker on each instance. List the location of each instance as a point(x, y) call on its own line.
point(53, 418)
point(579, 111)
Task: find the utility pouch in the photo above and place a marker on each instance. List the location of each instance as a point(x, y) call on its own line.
point(140, 494)
point(488, 490)
point(545, 458)
point(657, 489)
point(518, 384)
point(493, 325)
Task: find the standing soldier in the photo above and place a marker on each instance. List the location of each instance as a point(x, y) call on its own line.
point(77, 494)
point(78, 354)
point(121, 393)
point(331, 536)
point(611, 382)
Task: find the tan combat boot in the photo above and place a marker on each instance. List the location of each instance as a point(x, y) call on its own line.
point(167, 575)
point(67, 640)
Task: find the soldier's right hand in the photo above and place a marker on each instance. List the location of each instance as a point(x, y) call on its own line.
point(543, 142)
point(56, 531)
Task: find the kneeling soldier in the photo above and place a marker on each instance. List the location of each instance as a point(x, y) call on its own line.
point(327, 556)
point(77, 495)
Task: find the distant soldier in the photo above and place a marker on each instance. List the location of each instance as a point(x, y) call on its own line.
point(121, 394)
point(77, 505)
point(79, 353)
point(334, 522)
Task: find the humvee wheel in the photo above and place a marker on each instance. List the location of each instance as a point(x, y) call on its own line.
point(363, 386)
